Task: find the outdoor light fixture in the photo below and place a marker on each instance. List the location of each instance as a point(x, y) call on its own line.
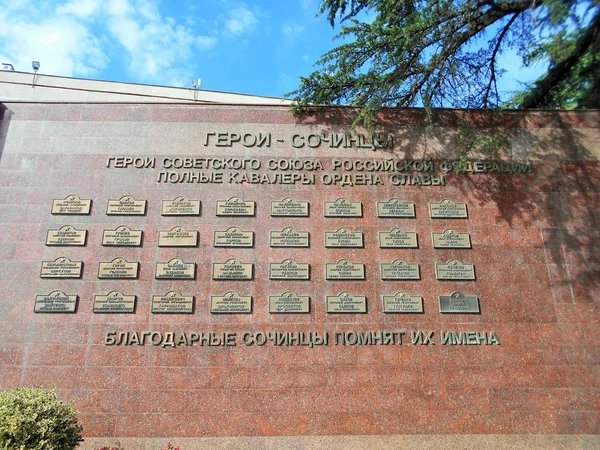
point(35, 66)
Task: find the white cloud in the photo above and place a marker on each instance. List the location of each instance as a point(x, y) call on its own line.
point(79, 8)
point(240, 21)
point(292, 30)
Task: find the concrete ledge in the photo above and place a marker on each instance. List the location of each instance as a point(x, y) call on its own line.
point(414, 442)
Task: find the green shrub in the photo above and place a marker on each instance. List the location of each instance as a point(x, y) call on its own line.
point(35, 419)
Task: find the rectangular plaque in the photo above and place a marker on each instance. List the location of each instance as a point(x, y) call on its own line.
point(172, 303)
point(289, 207)
point(114, 302)
point(66, 236)
point(288, 237)
point(343, 238)
point(177, 237)
point(232, 270)
point(61, 267)
point(122, 237)
point(71, 205)
point(448, 209)
point(459, 303)
point(454, 270)
point(234, 237)
point(289, 303)
point(235, 207)
point(398, 238)
point(343, 208)
point(402, 303)
point(231, 303)
point(175, 269)
point(451, 239)
point(118, 268)
point(395, 208)
point(289, 270)
point(344, 270)
point(346, 303)
point(400, 270)
point(55, 302)
point(180, 206)
point(126, 206)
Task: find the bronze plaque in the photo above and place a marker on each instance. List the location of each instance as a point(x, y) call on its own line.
point(459, 303)
point(345, 302)
point(343, 208)
point(61, 267)
point(448, 209)
point(289, 207)
point(234, 237)
point(55, 302)
point(343, 238)
point(126, 206)
point(175, 269)
point(122, 237)
point(454, 270)
point(289, 303)
point(180, 206)
point(66, 236)
point(344, 270)
point(400, 270)
point(397, 238)
point(395, 208)
point(118, 268)
point(451, 239)
point(177, 237)
point(71, 205)
point(402, 303)
point(235, 207)
point(289, 270)
point(232, 270)
point(288, 237)
point(172, 303)
point(114, 302)
point(231, 303)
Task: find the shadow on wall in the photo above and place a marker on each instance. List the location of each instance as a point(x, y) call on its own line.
point(4, 121)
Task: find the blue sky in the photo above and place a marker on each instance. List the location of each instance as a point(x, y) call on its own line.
point(256, 47)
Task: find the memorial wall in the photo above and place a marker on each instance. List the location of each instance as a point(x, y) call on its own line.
point(197, 270)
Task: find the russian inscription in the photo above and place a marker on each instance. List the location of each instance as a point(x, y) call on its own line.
point(400, 270)
point(55, 302)
point(454, 270)
point(289, 207)
point(234, 237)
point(343, 208)
point(289, 270)
point(289, 237)
point(66, 236)
point(126, 206)
point(172, 303)
point(346, 302)
point(178, 237)
point(122, 237)
point(289, 303)
point(397, 238)
point(231, 303)
point(343, 238)
point(118, 268)
point(448, 209)
point(396, 208)
point(61, 267)
point(232, 270)
point(175, 269)
point(459, 303)
point(180, 206)
point(71, 205)
point(235, 207)
point(114, 302)
point(451, 239)
point(402, 303)
point(344, 270)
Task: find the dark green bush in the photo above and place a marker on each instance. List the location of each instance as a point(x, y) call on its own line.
point(35, 419)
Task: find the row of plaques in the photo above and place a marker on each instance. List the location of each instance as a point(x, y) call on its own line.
point(233, 303)
point(176, 269)
point(123, 236)
point(288, 207)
